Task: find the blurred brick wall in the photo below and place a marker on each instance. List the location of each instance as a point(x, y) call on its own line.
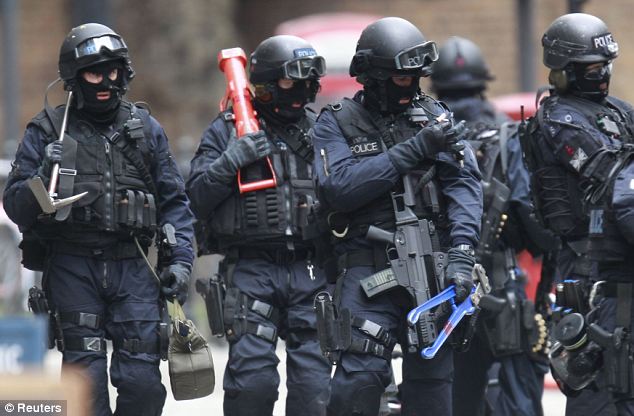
point(174, 45)
point(490, 23)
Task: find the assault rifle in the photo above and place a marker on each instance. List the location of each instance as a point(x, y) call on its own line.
point(414, 265)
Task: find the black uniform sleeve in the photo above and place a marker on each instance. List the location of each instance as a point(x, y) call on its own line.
point(205, 192)
point(348, 182)
point(462, 189)
point(18, 200)
point(173, 203)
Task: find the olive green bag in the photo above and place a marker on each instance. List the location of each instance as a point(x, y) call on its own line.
point(191, 366)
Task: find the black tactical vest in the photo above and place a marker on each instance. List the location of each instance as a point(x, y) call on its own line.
point(121, 200)
point(370, 134)
point(490, 147)
point(609, 202)
point(274, 217)
point(556, 191)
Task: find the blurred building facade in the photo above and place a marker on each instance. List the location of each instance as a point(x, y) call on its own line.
point(174, 45)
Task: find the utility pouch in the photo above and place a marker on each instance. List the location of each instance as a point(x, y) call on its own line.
point(334, 327)
point(505, 329)
point(133, 130)
point(213, 292)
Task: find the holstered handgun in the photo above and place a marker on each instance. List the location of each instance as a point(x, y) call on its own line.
point(213, 291)
point(39, 305)
point(617, 366)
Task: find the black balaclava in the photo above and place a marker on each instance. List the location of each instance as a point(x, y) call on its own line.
point(384, 95)
point(100, 111)
point(593, 86)
point(283, 106)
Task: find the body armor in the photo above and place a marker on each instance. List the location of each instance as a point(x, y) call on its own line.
point(369, 134)
point(556, 190)
point(121, 200)
point(489, 144)
point(274, 216)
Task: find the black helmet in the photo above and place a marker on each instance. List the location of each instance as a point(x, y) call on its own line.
point(392, 46)
point(91, 44)
point(578, 37)
point(460, 66)
point(285, 56)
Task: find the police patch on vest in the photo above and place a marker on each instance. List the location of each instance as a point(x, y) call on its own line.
point(578, 159)
point(363, 146)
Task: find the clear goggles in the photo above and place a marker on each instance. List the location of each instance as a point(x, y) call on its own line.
point(305, 67)
point(598, 73)
point(417, 57)
point(93, 46)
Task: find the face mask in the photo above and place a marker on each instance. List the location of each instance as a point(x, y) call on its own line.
point(287, 105)
point(395, 99)
point(592, 84)
point(101, 109)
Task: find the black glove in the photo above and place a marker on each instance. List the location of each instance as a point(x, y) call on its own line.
point(426, 144)
point(240, 153)
point(453, 139)
point(459, 267)
point(52, 155)
point(175, 282)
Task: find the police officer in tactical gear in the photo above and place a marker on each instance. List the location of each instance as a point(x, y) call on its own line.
point(95, 277)
point(459, 78)
point(364, 146)
point(269, 265)
point(571, 125)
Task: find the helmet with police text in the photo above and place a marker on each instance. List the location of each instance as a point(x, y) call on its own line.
point(578, 38)
point(579, 49)
point(285, 56)
point(290, 58)
point(460, 66)
point(88, 45)
point(392, 46)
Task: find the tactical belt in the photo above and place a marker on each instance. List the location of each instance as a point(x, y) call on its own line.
point(278, 256)
point(136, 346)
point(86, 344)
point(89, 320)
point(358, 258)
point(127, 250)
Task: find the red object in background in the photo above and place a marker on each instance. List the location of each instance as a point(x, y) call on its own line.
point(334, 36)
point(232, 62)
